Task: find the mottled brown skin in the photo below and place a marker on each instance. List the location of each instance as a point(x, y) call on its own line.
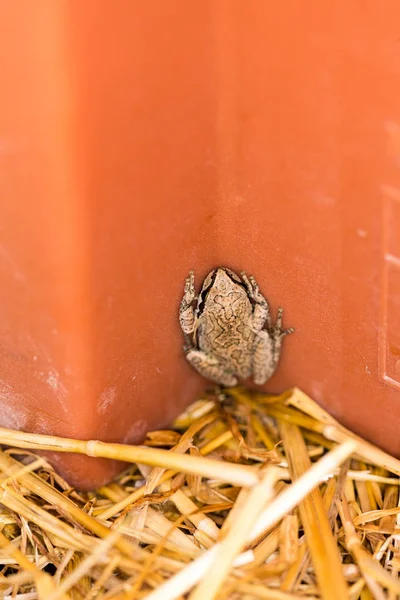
point(225, 336)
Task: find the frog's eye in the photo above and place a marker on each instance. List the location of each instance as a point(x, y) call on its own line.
point(209, 280)
point(207, 285)
point(202, 298)
point(233, 276)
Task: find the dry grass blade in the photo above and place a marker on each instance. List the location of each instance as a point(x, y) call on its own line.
point(43, 582)
point(315, 521)
point(368, 452)
point(36, 485)
point(237, 525)
point(231, 473)
point(283, 503)
point(235, 539)
point(374, 574)
point(84, 567)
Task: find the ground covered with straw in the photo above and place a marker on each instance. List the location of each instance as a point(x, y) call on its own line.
point(248, 496)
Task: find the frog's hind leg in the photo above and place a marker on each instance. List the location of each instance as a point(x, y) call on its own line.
point(210, 368)
point(267, 350)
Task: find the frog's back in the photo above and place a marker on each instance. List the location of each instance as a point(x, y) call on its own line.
point(230, 340)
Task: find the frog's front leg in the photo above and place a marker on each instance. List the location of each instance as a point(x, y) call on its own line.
point(261, 312)
point(267, 350)
point(186, 311)
point(210, 368)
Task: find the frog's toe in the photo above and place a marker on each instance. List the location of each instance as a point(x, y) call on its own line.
point(277, 331)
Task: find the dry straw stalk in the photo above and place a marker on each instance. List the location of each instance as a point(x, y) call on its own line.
point(252, 496)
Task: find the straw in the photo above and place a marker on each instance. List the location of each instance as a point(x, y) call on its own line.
point(248, 496)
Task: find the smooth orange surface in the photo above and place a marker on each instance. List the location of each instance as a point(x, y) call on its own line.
point(139, 140)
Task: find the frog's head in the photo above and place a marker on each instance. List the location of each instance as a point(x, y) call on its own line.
point(220, 282)
point(220, 278)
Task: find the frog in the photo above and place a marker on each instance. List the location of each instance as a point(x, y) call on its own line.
point(228, 329)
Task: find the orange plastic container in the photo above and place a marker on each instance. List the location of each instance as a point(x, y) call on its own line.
point(140, 140)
